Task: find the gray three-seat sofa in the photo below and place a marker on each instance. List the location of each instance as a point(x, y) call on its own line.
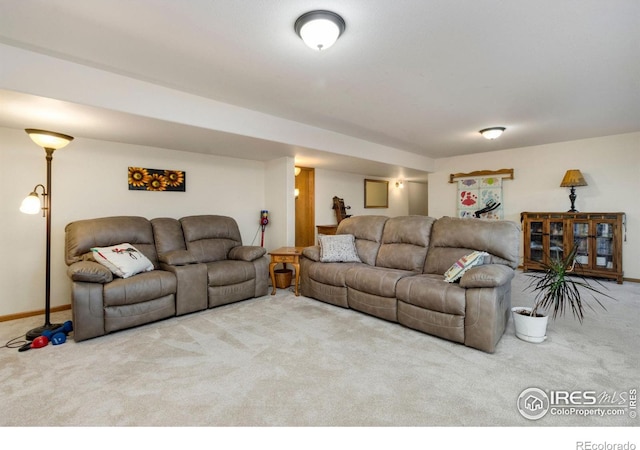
point(401, 275)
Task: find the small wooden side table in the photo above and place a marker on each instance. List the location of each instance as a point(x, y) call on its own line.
point(285, 255)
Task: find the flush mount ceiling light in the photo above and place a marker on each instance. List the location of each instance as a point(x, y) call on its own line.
point(492, 133)
point(319, 29)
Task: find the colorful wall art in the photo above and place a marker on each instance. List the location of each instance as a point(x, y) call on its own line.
point(480, 194)
point(156, 180)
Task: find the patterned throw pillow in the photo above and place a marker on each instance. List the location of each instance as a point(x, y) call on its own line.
point(338, 248)
point(122, 260)
point(463, 264)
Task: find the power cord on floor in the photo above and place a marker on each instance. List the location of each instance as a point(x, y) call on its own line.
point(16, 342)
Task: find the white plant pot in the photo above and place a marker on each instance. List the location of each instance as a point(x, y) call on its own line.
point(530, 329)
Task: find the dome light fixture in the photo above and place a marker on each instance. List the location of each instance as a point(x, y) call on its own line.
point(319, 29)
point(492, 133)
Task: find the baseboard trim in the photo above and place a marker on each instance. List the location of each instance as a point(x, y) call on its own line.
point(32, 313)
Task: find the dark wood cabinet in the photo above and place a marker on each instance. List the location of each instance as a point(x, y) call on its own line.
point(598, 237)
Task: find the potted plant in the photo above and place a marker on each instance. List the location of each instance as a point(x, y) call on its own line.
point(558, 288)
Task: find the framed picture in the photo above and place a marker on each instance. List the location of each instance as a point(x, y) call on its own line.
point(376, 193)
point(141, 179)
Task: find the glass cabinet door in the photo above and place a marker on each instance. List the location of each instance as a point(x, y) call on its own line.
point(581, 241)
point(536, 234)
point(604, 245)
point(556, 239)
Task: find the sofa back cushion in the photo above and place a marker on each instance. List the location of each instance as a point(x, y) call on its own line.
point(368, 233)
point(167, 233)
point(82, 235)
point(210, 238)
point(453, 238)
point(405, 241)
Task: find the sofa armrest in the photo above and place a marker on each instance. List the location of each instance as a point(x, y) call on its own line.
point(90, 272)
point(312, 253)
point(87, 307)
point(246, 253)
point(177, 258)
point(487, 276)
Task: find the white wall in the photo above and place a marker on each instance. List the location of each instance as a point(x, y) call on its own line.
point(90, 180)
point(610, 165)
point(350, 187)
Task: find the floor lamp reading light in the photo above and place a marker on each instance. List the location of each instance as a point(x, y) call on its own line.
point(51, 142)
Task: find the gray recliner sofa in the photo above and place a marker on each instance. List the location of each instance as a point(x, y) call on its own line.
point(199, 263)
point(401, 276)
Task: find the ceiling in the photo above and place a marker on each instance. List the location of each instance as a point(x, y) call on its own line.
point(419, 76)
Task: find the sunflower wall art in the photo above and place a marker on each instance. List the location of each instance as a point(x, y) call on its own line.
point(156, 180)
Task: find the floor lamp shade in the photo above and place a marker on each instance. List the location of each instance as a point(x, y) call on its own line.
point(49, 139)
point(31, 203)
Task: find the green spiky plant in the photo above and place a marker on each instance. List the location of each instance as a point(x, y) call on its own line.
point(558, 288)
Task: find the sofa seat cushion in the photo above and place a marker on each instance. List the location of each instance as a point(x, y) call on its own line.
point(224, 273)
point(375, 280)
point(139, 288)
point(333, 274)
point(433, 293)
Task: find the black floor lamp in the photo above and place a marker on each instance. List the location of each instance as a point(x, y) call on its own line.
point(51, 142)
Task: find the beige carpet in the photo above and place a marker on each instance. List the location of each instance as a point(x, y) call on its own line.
point(292, 361)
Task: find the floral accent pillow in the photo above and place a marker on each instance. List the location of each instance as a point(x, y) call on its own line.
point(463, 264)
point(123, 260)
point(338, 248)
